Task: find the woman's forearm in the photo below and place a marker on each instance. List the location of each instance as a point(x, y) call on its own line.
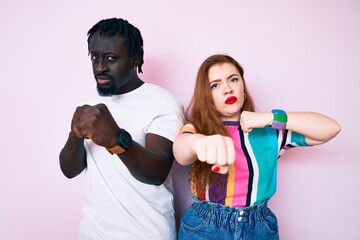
point(316, 127)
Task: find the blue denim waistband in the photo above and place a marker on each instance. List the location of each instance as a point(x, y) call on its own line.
point(230, 215)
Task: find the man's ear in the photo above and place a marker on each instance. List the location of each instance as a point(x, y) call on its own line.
point(135, 62)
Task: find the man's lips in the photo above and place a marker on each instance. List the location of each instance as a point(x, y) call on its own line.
point(231, 100)
point(102, 81)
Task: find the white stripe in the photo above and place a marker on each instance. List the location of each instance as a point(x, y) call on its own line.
point(207, 193)
point(288, 140)
point(280, 138)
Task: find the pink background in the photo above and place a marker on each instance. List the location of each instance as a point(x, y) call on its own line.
point(297, 55)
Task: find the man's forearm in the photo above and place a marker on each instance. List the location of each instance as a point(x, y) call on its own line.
point(73, 157)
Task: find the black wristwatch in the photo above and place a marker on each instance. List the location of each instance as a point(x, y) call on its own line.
point(124, 142)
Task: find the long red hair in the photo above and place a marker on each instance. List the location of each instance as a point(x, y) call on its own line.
point(202, 113)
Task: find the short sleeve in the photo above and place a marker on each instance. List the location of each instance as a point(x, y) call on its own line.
point(169, 120)
point(187, 128)
point(289, 139)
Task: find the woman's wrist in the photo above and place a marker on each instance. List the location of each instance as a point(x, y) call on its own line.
point(279, 119)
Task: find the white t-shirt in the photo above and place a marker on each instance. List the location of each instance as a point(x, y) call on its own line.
point(115, 204)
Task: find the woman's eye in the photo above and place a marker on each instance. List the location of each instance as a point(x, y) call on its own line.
point(234, 79)
point(215, 85)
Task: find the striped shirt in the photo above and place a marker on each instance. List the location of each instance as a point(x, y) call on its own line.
point(252, 178)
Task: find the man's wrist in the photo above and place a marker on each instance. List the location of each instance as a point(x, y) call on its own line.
point(73, 135)
point(124, 142)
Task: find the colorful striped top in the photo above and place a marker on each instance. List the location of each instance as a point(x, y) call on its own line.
point(252, 178)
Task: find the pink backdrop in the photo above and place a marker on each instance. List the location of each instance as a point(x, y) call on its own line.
point(297, 55)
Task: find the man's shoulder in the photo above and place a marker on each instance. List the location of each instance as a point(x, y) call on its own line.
point(150, 87)
point(158, 93)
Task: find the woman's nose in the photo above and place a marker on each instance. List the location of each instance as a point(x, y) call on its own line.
point(228, 89)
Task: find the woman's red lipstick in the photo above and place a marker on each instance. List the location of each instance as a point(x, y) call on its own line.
point(231, 100)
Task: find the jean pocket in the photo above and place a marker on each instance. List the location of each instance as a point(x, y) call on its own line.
point(271, 224)
point(191, 221)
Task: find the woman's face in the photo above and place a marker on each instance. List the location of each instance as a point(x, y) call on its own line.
point(227, 90)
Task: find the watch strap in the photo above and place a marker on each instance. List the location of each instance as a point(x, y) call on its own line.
point(116, 150)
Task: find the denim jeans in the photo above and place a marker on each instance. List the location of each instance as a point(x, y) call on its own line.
point(207, 220)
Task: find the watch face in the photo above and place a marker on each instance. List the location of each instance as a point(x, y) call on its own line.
point(125, 139)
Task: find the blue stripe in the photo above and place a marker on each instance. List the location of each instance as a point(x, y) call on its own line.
point(264, 144)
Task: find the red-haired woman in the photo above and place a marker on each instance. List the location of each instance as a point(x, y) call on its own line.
point(233, 152)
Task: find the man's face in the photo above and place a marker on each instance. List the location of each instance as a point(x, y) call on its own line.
point(112, 66)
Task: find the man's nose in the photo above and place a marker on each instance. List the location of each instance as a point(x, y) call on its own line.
point(101, 66)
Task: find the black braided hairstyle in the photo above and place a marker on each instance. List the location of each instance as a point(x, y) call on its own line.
point(133, 40)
